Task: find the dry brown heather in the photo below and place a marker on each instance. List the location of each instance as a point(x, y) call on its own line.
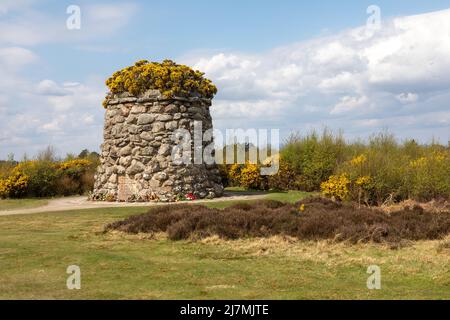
point(321, 219)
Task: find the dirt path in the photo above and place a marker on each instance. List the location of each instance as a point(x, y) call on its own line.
point(80, 202)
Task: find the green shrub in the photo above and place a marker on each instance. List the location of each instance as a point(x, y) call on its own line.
point(42, 177)
point(314, 157)
point(76, 176)
point(389, 171)
point(429, 177)
point(68, 186)
point(46, 176)
point(285, 178)
point(379, 170)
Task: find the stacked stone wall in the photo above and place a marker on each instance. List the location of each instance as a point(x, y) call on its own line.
point(136, 157)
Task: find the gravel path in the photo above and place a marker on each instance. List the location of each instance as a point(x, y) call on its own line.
point(80, 202)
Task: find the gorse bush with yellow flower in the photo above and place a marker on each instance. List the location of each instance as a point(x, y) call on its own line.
point(379, 175)
point(373, 172)
point(15, 186)
point(337, 187)
point(286, 178)
point(169, 78)
point(47, 177)
point(246, 175)
point(76, 176)
point(74, 165)
point(428, 177)
point(359, 178)
point(250, 177)
point(353, 183)
point(42, 177)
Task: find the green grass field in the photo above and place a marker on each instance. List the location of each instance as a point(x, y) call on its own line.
point(35, 251)
point(13, 204)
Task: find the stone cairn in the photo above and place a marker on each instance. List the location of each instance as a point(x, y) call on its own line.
point(136, 156)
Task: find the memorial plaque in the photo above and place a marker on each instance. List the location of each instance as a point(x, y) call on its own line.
point(125, 188)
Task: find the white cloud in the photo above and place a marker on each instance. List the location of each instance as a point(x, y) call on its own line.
point(399, 78)
point(15, 57)
point(346, 77)
point(32, 27)
point(111, 15)
point(88, 119)
point(407, 97)
point(413, 53)
point(248, 110)
point(7, 6)
point(343, 81)
point(53, 125)
point(51, 88)
point(335, 53)
point(67, 115)
point(349, 104)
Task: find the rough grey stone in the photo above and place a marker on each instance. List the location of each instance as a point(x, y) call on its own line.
point(133, 129)
point(172, 125)
point(145, 119)
point(135, 168)
point(125, 151)
point(118, 119)
point(147, 151)
point(164, 150)
point(125, 161)
point(161, 176)
point(164, 117)
point(158, 127)
point(155, 183)
point(138, 109)
point(146, 136)
point(171, 108)
point(120, 170)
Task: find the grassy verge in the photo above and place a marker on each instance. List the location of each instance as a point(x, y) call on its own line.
point(35, 251)
point(285, 196)
point(288, 196)
point(13, 204)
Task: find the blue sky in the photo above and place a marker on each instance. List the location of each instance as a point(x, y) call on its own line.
point(170, 29)
point(293, 65)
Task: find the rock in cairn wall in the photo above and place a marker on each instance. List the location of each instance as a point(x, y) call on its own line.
point(136, 156)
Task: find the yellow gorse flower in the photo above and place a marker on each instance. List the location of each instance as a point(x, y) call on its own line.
point(435, 157)
point(250, 176)
point(363, 181)
point(169, 78)
point(359, 160)
point(234, 171)
point(336, 186)
point(439, 156)
point(15, 184)
point(76, 163)
point(418, 162)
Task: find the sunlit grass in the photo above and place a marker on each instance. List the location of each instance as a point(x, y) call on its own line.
point(13, 204)
point(35, 251)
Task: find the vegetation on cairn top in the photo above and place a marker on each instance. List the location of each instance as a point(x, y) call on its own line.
point(169, 78)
